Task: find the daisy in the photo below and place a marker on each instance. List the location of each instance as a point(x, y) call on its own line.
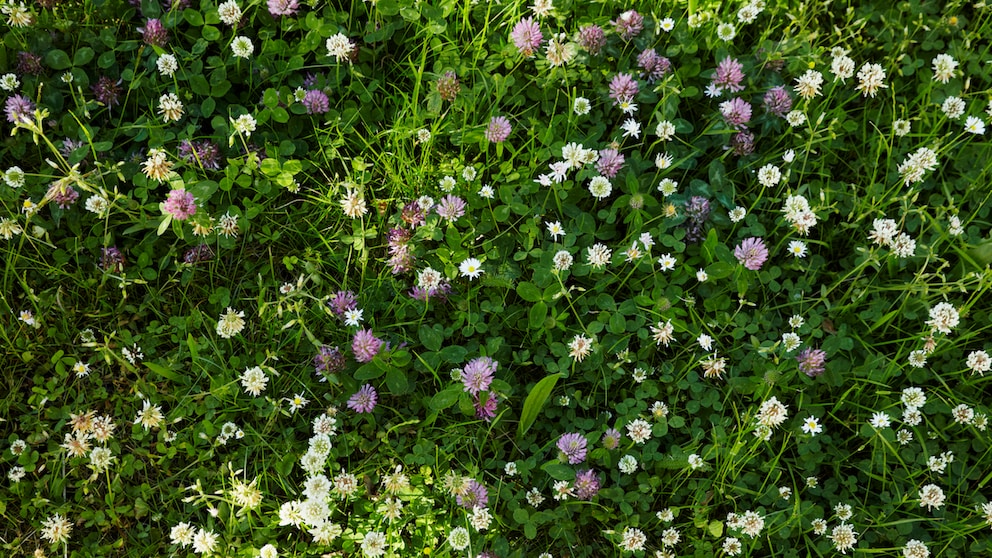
point(353, 317)
point(812, 426)
point(471, 268)
point(667, 262)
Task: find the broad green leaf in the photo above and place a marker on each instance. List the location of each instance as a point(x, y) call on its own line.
point(431, 337)
point(537, 314)
point(369, 371)
point(528, 291)
point(720, 270)
point(446, 398)
point(558, 470)
point(535, 401)
point(164, 225)
point(58, 59)
point(164, 372)
point(396, 381)
point(193, 349)
point(83, 56)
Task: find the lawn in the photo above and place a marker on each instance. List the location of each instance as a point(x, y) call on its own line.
point(495, 279)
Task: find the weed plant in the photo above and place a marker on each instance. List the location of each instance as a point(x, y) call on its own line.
point(495, 279)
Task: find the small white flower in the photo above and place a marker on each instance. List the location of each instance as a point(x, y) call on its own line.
point(627, 464)
point(230, 12)
point(242, 47)
point(353, 317)
point(244, 124)
point(471, 268)
point(797, 248)
point(812, 426)
point(974, 125)
point(631, 128)
point(726, 32)
point(581, 106)
point(9, 82)
point(339, 47)
point(666, 262)
point(667, 187)
point(665, 130)
point(167, 65)
point(880, 420)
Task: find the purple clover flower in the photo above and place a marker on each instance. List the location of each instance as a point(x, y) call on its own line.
point(19, 107)
point(401, 256)
point(623, 87)
point(736, 112)
point(413, 215)
point(316, 102)
point(586, 484)
point(107, 91)
point(329, 360)
point(572, 447)
point(197, 254)
point(342, 301)
point(29, 63)
point(742, 143)
point(205, 153)
point(499, 129)
point(696, 211)
point(448, 86)
point(526, 36)
point(154, 33)
point(609, 163)
point(112, 260)
point(751, 253)
point(439, 293)
point(283, 7)
point(812, 362)
point(611, 439)
point(485, 408)
point(629, 25)
point(180, 204)
point(364, 400)
point(450, 208)
point(592, 39)
point(478, 374)
point(654, 66)
point(365, 345)
point(62, 195)
point(729, 75)
point(777, 101)
point(475, 495)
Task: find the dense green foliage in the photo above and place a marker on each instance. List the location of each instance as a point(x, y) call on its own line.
point(349, 278)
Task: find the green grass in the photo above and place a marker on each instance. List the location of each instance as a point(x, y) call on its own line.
point(229, 463)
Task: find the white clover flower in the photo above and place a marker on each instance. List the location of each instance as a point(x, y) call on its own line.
point(459, 538)
point(581, 106)
point(167, 65)
point(769, 175)
point(339, 46)
point(244, 124)
point(242, 47)
point(9, 82)
point(230, 323)
point(943, 67)
point(229, 12)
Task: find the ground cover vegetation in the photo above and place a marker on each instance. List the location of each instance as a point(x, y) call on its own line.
point(498, 279)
